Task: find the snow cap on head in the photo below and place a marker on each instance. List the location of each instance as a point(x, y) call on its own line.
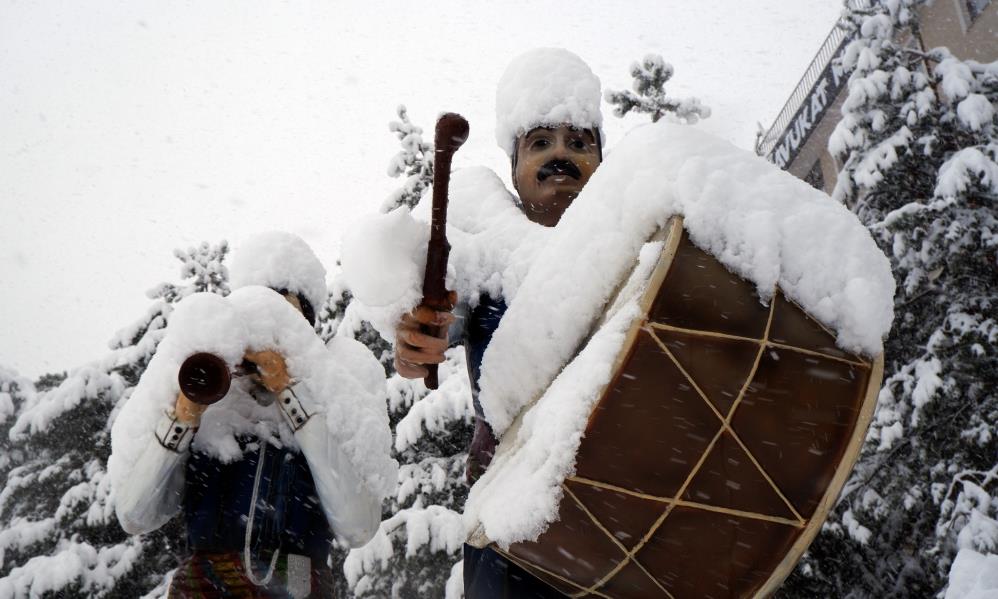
point(545, 87)
point(279, 260)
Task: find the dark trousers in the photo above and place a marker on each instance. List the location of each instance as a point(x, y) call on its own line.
point(489, 575)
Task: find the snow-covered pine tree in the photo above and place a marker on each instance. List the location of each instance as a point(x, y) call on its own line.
point(335, 316)
point(15, 390)
point(418, 543)
point(420, 537)
point(919, 139)
point(59, 536)
point(650, 77)
point(414, 160)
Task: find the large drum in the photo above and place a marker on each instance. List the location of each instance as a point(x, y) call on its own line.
point(713, 456)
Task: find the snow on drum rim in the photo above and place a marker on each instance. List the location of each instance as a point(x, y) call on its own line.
point(712, 457)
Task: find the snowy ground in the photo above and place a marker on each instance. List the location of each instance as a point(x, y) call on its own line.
point(129, 129)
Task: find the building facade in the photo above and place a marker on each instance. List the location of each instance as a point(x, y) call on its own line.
point(798, 139)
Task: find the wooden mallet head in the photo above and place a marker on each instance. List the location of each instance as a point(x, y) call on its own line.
point(451, 133)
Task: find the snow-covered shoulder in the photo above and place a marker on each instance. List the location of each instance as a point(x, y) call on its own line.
point(492, 247)
point(760, 222)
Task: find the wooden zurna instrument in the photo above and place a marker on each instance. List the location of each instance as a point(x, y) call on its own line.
point(714, 454)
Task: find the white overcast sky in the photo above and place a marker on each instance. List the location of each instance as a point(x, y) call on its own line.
point(128, 129)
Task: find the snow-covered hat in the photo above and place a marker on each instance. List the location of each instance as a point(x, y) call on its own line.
point(280, 261)
point(545, 87)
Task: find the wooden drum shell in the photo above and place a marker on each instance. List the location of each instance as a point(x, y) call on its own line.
point(713, 457)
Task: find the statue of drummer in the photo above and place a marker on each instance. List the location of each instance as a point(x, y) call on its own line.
point(548, 123)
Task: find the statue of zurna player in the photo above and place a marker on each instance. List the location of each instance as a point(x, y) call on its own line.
point(295, 453)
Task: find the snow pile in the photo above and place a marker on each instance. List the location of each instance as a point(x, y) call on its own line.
point(383, 259)
point(21, 533)
point(545, 87)
point(492, 242)
point(455, 582)
point(964, 168)
point(958, 82)
point(975, 111)
point(760, 222)
point(973, 576)
point(279, 260)
point(336, 382)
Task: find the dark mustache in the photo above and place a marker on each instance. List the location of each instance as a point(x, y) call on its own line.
point(559, 167)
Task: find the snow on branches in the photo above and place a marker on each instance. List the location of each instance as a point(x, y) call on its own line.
point(421, 534)
point(414, 160)
point(919, 144)
point(204, 269)
point(650, 77)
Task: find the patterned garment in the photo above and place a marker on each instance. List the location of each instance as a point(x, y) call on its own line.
point(221, 576)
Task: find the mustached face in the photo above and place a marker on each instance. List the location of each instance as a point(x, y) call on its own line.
point(552, 166)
